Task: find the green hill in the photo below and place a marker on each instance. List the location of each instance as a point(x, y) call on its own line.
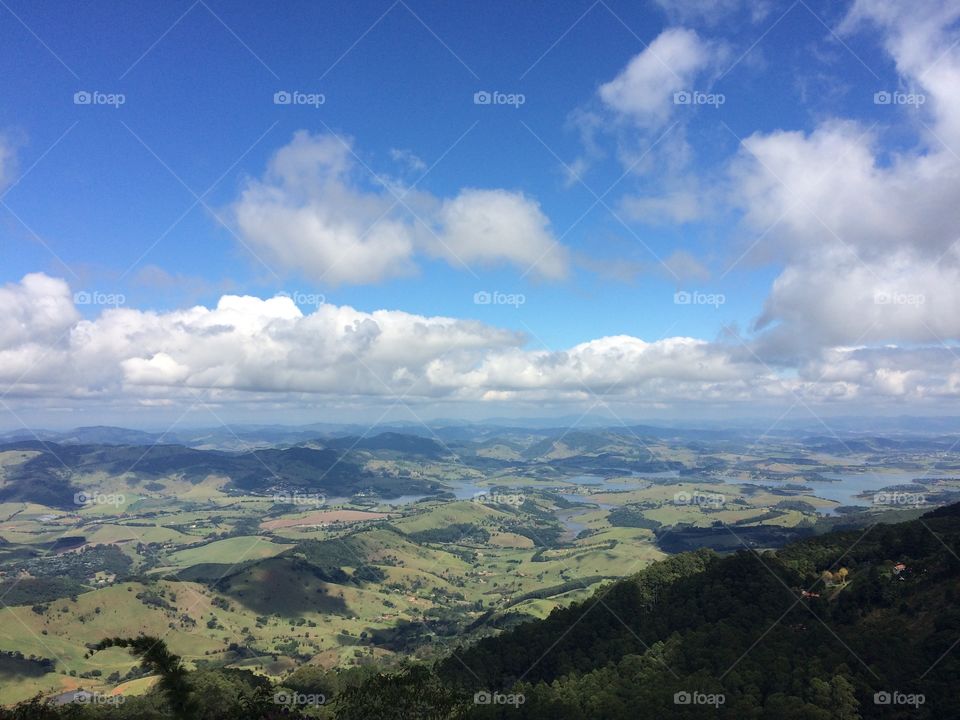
point(736, 629)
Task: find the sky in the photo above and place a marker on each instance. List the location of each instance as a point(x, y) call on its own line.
point(221, 211)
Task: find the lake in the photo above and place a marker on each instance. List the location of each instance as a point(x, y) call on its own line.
point(852, 484)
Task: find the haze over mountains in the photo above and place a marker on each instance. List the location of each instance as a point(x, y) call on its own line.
point(461, 429)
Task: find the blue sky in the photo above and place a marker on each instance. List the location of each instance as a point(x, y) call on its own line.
point(105, 197)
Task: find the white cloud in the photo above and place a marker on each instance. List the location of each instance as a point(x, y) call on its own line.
point(644, 89)
point(839, 299)
point(481, 226)
point(37, 309)
point(269, 351)
point(645, 108)
point(408, 159)
point(904, 374)
point(714, 12)
point(851, 223)
point(830, 188)
point(38, 315)
point(313, 214)
point(921, 38)
point(308, 214)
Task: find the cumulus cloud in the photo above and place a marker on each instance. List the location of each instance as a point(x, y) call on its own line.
point(313, 212)
point(868, 239)
point(902, 374)
point(644, 89)
point(829, 187)
point(481, 226)
point(308, 213)
point(38, 314)
point(267, 348)
point(840, 299)
point(242, 344)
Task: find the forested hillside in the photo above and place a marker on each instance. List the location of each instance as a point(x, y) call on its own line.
point(832, 627)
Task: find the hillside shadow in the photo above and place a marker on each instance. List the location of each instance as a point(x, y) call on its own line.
point(288, 586)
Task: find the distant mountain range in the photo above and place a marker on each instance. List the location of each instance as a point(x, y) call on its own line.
point(48, 474)
point(246, 437)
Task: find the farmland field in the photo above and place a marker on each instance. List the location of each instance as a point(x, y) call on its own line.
point(427, 550)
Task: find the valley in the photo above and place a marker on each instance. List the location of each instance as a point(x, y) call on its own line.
point(344, 551)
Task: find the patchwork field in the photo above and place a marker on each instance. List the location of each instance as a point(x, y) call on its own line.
point(426, 551)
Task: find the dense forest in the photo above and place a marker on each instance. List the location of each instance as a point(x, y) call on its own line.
point(854, 624)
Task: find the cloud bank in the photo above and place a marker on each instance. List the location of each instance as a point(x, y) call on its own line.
point(247, 345)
